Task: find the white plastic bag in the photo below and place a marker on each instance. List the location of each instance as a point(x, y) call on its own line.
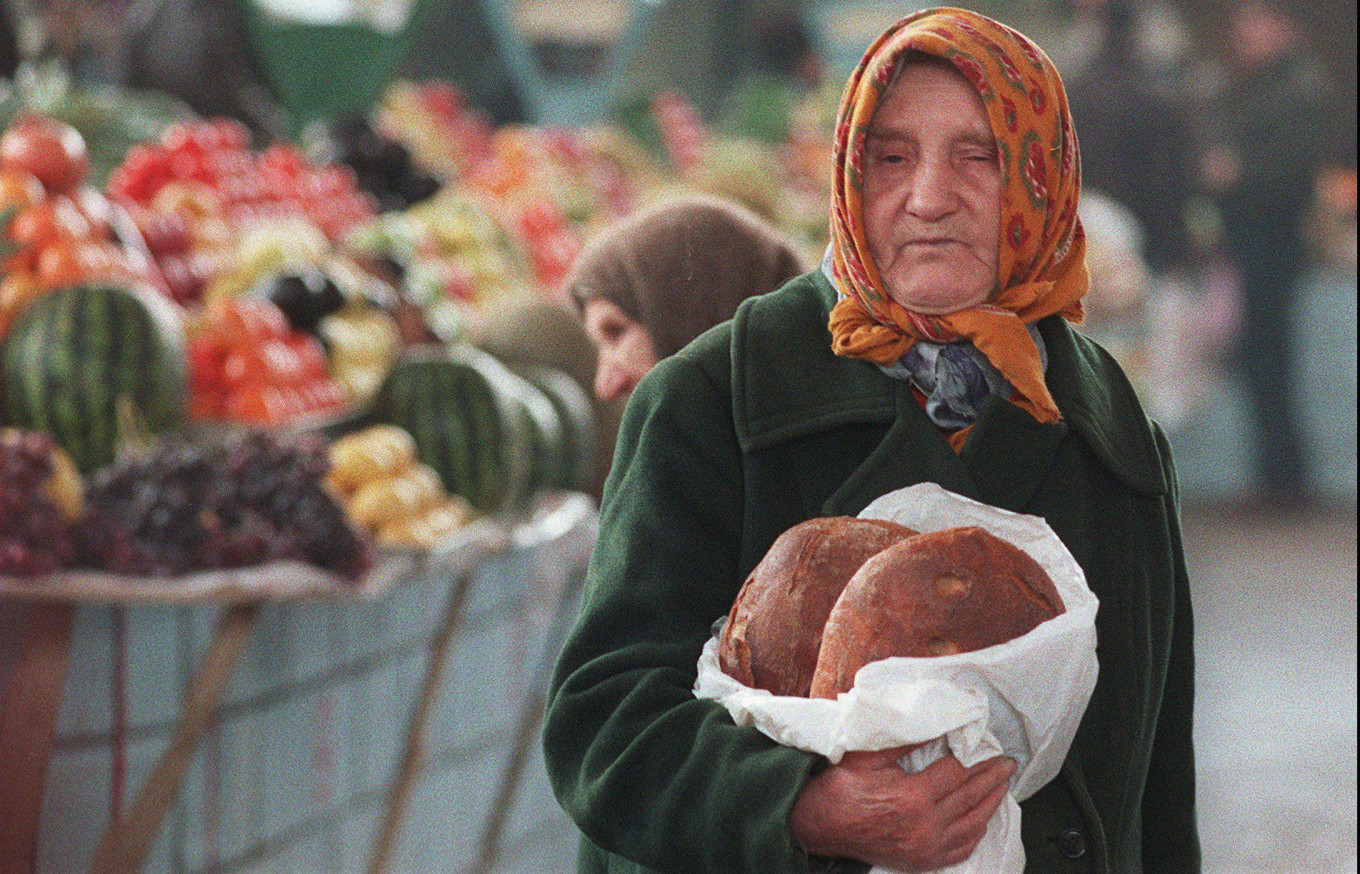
point(1024, 698)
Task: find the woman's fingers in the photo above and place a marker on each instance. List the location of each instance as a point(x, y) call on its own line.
point(864, 759)
point(979, 783)
point(967, 830)
point(945, 777)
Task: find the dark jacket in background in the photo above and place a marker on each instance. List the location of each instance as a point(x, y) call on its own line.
point(1136, 143)
point(758, 426)
point(9, 42)
point(198, 50)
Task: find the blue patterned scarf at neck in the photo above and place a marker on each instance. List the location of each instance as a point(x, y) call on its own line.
point(956, 378)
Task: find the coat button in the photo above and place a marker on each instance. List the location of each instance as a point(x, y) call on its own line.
point(1072, 844)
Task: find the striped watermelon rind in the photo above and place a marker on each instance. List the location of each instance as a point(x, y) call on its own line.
point(79, 353)
point(577, 416)
point(549, 465)
point(460, 405)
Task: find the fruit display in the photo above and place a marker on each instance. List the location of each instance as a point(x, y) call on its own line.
point(214, 288)
point(54, 230)
point(184, 507)
point(362, 341)
point(389, 492)
point(198, 191)
point(462, 408)
point(569, 449)
point(52, 151)
point(89, 363)
point(40, 498)
point(451, 257)
point(433, 120)
point(383, 166)
point(248, 364)
point(111, 119)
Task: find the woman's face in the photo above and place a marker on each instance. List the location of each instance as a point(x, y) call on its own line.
point(933, 191)
point(625, 349)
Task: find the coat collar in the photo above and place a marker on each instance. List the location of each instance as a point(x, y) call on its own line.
point(787, 383)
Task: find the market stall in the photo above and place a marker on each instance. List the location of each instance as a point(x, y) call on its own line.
point(216, 730)
point(294, 471)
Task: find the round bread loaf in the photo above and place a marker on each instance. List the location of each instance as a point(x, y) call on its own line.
point(946, 592)
point(774, 628)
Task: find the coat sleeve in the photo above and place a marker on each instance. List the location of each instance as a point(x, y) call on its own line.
point(1170, 830)
point(646, 770)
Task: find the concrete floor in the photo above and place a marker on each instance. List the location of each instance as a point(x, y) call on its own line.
point(1275, 601)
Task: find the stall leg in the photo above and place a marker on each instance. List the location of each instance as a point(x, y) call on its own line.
point(413, 750)
point(127, 842)
point(28, 724)
point(527, 725)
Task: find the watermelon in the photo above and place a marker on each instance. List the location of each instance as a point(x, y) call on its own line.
point(577, 417)
point(464, 409)
point(548, 460)
point(86, 362)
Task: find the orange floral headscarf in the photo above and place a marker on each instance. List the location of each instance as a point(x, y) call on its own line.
point(1042, 261)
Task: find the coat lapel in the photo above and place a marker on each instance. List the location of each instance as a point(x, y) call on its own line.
point(788, 384)
point(1009, 454)
point(913, 451)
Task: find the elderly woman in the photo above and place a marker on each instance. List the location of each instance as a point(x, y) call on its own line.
point(933, 346)
point(652, 283)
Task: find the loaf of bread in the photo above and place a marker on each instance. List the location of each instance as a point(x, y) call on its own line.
point(951, 591)
point(774, 629)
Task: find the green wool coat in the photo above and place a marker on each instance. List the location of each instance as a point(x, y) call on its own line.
point(757, 426)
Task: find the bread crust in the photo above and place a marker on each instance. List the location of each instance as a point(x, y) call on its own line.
point(951, 591)
point(774, 629)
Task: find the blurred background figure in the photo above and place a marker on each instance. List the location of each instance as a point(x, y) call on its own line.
point(9, 42)
point(199, 51)
point(649, 285)
point(1260, 170)
point(1136, 144)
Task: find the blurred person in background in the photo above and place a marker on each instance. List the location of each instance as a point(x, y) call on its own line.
point(82, 35)
point(199, 51)
point(10, 55)
point(649, 285)
point(1136, 145)
point(1266, 147)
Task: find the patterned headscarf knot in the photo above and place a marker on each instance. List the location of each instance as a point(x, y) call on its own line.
point(1041, 266)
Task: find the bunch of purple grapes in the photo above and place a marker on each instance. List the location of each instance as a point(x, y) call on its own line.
point(35, 538)
point(278, 481)
point(183, 507)
point(151, 514)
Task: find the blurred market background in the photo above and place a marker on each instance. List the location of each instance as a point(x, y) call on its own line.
point(402, 175)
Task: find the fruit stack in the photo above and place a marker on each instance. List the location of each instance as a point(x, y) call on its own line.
point(182, 508)
point(434, 121)
point(387, 491)
point(247, 364)
point(199, 188)
point(54, 231)
point(383, 166)
point(40, 497)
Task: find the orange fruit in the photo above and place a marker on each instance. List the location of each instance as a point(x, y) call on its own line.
point(19, 189)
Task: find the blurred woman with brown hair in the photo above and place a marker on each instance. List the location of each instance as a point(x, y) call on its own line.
point(649, 285)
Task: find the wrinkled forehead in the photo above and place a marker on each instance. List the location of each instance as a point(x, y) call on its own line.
point(903, 95)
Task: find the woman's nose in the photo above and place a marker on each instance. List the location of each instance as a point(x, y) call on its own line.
point(611, 381)
point(934, 190)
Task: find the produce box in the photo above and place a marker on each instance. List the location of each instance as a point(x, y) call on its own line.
point(297, 770)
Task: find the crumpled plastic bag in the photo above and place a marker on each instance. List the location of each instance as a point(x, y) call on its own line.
point(1024, 698)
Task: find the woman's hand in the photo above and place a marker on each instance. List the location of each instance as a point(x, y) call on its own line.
point(868, 808)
